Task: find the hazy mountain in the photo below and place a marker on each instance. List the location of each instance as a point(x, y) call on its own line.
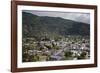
point(34, 25)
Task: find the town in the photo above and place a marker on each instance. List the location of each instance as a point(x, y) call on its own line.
point(69, 48)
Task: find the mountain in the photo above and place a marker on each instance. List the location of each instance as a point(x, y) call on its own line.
point(33, 25)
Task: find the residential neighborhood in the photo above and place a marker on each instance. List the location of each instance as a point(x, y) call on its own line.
point(51, 50)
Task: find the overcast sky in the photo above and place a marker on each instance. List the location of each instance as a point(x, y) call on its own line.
point(80, 17)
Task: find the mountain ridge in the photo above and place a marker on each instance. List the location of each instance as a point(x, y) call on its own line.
point(34, 25)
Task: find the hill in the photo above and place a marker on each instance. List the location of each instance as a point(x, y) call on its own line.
point(33, 26)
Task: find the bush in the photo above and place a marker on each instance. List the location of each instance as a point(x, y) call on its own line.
point(82, 55)
point(68, 54)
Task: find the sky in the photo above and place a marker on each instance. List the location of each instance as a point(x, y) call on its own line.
point(80, 17)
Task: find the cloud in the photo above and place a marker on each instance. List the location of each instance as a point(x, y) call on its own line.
point(80, 17)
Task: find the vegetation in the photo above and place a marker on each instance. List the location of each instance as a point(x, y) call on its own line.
point(50, 50)
point(68, 54)
point(52, 27)
point(82, 55)
point(53, 38)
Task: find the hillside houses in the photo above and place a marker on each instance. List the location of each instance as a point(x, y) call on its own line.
point(57, 50)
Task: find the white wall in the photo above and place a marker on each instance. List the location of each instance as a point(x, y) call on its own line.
point(5, 50)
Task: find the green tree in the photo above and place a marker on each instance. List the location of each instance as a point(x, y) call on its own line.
point(68, 54)
point(82, 55)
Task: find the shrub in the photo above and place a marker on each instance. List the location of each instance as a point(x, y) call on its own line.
point(68, 54)
point(82, 55)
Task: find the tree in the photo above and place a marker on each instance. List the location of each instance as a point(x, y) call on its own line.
point(68, 54)
point(82, 55)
